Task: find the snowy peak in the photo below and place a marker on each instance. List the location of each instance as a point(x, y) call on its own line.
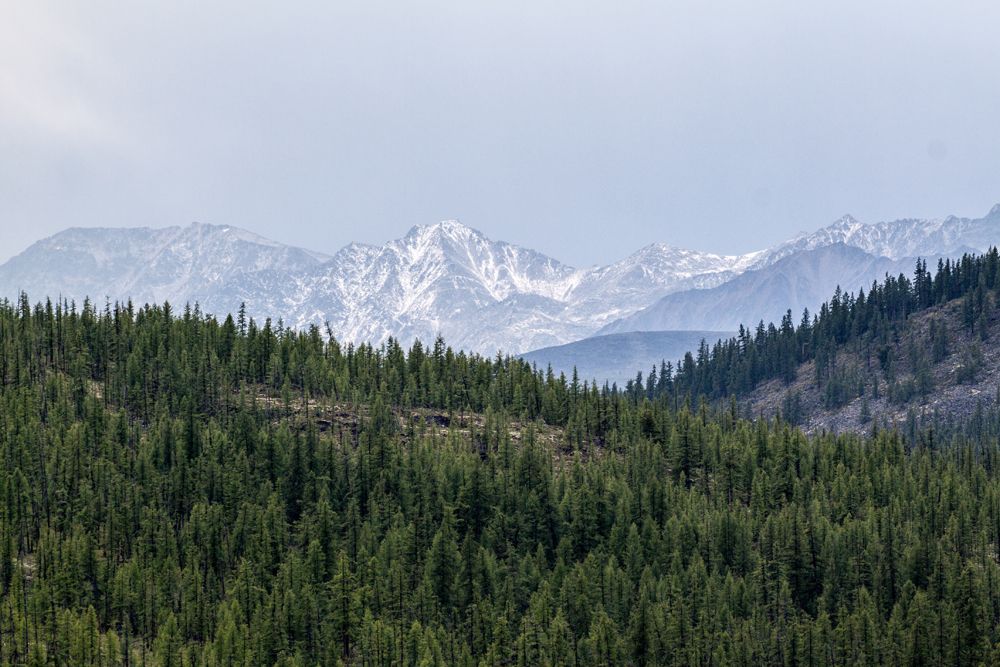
point(439, 279)
point(680, 262)
point(899, 238)
point(445, 229)
point(502, 269)
point(846, 224)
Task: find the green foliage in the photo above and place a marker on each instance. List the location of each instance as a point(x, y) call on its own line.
point(970, 365)
point(179, 491)
point(865, 320)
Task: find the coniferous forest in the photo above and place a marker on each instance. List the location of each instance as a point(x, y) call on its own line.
point(180, 489)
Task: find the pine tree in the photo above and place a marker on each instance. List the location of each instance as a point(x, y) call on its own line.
point(169, 643)
point(442, 563)
point(344, 605)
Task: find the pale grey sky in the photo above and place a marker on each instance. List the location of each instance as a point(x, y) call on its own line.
point(583, 129)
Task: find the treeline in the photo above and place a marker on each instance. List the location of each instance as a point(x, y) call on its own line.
point(775, 351)
point(177, 490)
point(151, 360)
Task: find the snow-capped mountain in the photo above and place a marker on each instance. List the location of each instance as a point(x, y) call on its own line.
point(608, 292)
point(450, 279)
point(490, 295)
point(212, 265)
point(804, 271)
point(804, 279)
point(896, 239)
point(443, 278)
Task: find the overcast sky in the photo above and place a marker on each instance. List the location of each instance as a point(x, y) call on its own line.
point(583, 129)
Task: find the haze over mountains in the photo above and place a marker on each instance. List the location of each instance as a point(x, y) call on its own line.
point(616, 358)
point(482, 295)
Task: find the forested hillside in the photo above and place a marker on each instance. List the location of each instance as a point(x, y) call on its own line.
point(920, 348)
point(939, 365)
point(178, 490)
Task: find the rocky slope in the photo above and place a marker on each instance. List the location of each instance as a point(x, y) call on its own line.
point(921, 383)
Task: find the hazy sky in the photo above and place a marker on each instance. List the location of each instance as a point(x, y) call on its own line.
point(583, 129)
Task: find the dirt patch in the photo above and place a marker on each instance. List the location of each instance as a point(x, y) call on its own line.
point(346, 421)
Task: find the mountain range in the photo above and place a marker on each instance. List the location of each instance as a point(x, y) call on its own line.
point(480, 294)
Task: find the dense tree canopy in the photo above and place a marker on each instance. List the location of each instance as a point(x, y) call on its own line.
point(176, 490)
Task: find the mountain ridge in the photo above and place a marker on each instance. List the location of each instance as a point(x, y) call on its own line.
point(801, 280)
point(445, 278)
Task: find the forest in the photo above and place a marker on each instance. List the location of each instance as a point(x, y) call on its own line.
point(736, 366)
point(181, 489)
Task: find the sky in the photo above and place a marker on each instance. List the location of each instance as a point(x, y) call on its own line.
point(581, 129)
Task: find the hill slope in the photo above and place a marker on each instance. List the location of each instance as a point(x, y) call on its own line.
point(934, 365)
point(179, 491)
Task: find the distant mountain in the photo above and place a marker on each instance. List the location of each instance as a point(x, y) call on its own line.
point(617, 357)
point(607, 293)
point(480, 294)
point(445, 278)
point(897, 239)
point(487, 295)
point(216, 266)
point(801, 280)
